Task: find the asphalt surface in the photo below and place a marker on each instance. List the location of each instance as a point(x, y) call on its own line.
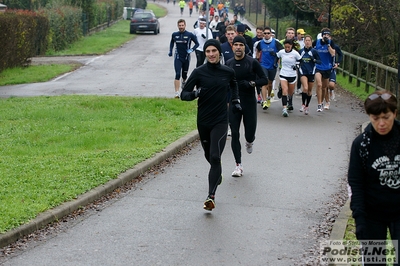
point(267, 217)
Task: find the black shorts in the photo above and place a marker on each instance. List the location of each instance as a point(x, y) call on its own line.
point(290, 80)
point(324, 73)
point(310, 78)
point(270, 73)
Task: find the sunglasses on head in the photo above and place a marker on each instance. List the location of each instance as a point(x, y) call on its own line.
point(266, 33)
point(384, 96)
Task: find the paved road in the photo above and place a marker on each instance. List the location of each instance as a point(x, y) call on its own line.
point(266, 217)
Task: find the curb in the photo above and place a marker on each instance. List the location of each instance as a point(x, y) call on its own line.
point(66, 208)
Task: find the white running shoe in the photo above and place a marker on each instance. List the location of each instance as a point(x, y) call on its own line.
point(177, 94)
point(319, 108)
point(249, 147)
point(285, 112)
point(302, 108)
point(238, 172)
point(327, 105)
point(229, 132)
point(306, 110)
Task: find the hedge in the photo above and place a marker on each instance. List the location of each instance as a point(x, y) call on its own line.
point(24, 35)
point(65, 26)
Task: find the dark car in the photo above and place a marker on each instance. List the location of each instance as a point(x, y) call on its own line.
point(144, 20)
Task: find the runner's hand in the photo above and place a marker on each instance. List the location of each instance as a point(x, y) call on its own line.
point(236, 108)
point(197, 92)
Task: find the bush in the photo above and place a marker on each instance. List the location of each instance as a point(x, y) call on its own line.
point(104, 11)
point(65, 26)
point(24, 35)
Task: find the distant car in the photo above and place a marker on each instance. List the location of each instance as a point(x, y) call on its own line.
point(144, 20)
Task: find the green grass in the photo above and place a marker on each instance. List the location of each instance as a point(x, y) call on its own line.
point(97, 43)
point(56, 148)
point(106, 40)
point(351, 87)
point(32, 74)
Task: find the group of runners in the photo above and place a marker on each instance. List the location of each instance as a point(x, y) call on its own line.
point(201, 7)
point(228, 77)
point(300, 60)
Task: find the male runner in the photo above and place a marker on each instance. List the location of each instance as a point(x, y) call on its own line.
point(266, 54)
point(213, 80)
point(182, 39)
point(249, 74)
point(326, 51)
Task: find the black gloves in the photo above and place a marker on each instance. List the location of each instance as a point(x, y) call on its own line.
point(236, 108)
point(197, 92)
point(170, 54)
point(326, 40)
point(243, 84)
point(246, 84)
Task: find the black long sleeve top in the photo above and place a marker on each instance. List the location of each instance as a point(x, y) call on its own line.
point(374, 175)
point(248, 69)
point(215, 81)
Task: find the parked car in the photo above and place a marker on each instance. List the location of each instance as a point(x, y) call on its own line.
point(144, 20)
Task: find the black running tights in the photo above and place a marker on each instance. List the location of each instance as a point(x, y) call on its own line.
point(213, 139)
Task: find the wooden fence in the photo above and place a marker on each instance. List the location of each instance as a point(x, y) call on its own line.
point(367, 73)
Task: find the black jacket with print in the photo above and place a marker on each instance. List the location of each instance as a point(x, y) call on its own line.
point(374, 175)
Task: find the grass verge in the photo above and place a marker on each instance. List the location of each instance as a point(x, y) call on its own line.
point(56, 148)
point(97, 43)
point(32, 74)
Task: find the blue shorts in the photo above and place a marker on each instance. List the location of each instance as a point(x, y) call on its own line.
point(332, 77)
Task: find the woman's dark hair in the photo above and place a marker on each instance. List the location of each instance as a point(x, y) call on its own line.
point(289, 42)
point(381, 101)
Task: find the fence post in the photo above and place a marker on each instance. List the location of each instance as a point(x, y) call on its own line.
point(351, 67)
point(368, 77)
point(358, 72)
point(84, 24)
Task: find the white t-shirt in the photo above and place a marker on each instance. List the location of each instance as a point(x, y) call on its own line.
point(288, 60)
point(202, 40)
point(213, 24)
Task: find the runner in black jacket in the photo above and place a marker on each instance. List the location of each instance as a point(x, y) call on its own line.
point(213, 82)
point(249, 74)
